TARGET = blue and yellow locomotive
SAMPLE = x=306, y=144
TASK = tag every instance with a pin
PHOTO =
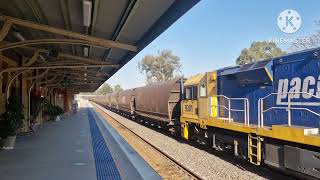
x=267, y=111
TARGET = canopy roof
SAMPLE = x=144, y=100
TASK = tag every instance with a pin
x=82, y=42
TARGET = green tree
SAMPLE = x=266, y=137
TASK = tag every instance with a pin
x=258, y=51
x=161, y=67
x=104, y=89
x=117, y=88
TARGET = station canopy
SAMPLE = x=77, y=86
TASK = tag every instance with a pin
x=79, y=44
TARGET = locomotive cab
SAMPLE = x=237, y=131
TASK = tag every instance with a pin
x=195, y=104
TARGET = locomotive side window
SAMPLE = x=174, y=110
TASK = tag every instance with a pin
x=203, y=90
x=195, y=92
x=188, y=93
x=191, y=93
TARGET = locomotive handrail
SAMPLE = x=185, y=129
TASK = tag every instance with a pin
x=288, y=107
x=306, y=109
x=290, y=93
x=229, y=109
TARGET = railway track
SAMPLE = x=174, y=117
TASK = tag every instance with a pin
x=164, y=164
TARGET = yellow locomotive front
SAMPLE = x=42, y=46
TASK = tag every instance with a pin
x=198, y=103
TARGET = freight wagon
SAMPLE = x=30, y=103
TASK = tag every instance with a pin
x=157, y=104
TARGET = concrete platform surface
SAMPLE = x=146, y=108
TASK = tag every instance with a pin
x=81, y=147
x=59, y=150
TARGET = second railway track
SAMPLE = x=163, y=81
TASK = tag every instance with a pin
x=164, y=164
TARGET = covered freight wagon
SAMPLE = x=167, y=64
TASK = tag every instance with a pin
x=107, y=100
x=113, y=100
x=125, y=101
x=160, y=101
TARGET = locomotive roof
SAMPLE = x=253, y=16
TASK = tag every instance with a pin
x=194, y=79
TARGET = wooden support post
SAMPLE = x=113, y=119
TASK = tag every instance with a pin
x=2, y=96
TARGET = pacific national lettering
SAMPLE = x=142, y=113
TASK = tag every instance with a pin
x=299, y=88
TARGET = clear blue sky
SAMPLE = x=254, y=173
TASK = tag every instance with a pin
x=213, y=33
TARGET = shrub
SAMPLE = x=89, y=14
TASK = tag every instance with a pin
x=52, y=110
x=12, y=119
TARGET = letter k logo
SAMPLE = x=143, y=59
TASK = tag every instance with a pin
x=289, y=21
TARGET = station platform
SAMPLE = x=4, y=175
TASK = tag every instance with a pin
x=82, y=146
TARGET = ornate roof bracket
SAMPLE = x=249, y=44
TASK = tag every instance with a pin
x=33, y=59
x=5, y=29
x=49, y=80
x=39, y=75
x=56, y=67
x=53, y=41
x=85, y=38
